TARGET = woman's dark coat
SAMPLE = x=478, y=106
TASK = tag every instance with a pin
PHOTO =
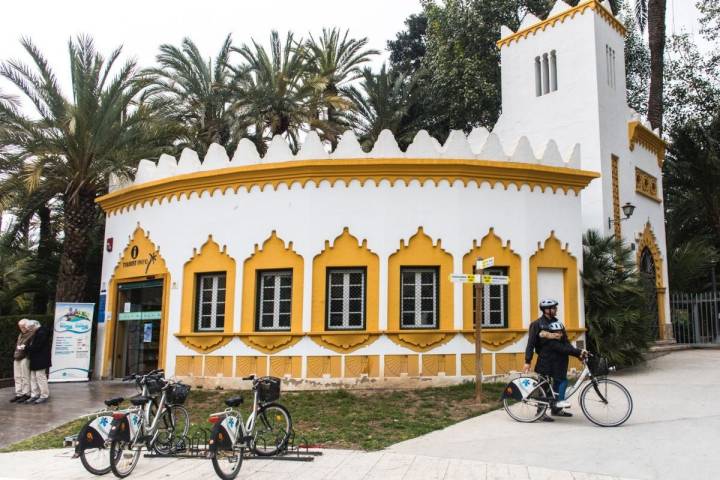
x=38, y=351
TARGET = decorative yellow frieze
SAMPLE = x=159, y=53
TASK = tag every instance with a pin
x=273, y=255
x=345, y=252
x=247, y=365
x=467, y=363
x=282, y=366
x=646, y=184
x=638, y=134
x=210, y=259
x=189, y=365
x=434, y=364
x=375, y=170
x=362, y=365
x=492, y=246
x=322, y=366
x=553, y=255
x=218, y=366
x=570, y=13
x=616, y=196
x=420, y=252
x=397, y=365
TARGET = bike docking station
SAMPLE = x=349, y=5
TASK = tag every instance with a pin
x=479, y=280
x=198, y=446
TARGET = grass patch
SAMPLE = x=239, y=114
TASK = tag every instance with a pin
x=357, y=419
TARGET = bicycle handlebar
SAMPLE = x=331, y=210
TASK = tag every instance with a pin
x=250, y=377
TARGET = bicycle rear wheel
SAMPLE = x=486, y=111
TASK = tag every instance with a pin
x=606, y=402
x=227, y=463
x=529, y=409
x=123, y=458
x=272, y=430
x=95, y=460
x=172, y=429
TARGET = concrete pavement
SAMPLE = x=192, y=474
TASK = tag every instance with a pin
x=674, y=428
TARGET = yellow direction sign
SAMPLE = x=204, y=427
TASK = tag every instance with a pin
x=484, y=279
x=483, y=264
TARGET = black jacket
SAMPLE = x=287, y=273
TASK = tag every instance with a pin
x=552, y=354
x=38, y=351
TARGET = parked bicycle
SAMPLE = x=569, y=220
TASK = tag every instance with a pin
x=156, y=420
x=92, y=441
x=266, y=431
x=603, y=401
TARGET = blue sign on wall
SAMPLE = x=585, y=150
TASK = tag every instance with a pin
x=101, y=308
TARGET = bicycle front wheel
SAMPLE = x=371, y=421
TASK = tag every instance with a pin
x=172, y=429
x=123, y=458
x=227, y=463
x=272, y=430
x=529, y=409
x=606, y=402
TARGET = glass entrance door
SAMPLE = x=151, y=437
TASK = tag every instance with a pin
x=137, y=343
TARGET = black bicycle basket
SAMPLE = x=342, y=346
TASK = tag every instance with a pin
x=598, y=366
x=154, y=385
x=178, y=393
x=268, y=389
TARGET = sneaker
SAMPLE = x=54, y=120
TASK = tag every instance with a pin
x=30, y=400
x=41, y=400
x=562, y=404
x=545, y=418
x=19, y=398
x=561, y=413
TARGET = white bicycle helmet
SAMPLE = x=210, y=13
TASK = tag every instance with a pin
x=548, y=303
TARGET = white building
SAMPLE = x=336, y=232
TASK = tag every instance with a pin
x=333, y=268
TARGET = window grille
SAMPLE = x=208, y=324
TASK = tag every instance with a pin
x=210, y=301
x=346, y=299
x=495, y=302
x=420, y=293
x=274, y=300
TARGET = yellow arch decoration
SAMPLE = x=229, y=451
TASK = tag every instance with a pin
x=420, y=252
x=495, y=338
x=346, y=251
x=647, y=239
x=209, y=259
x=553, y=255
x=273, y=255
x=136, y=264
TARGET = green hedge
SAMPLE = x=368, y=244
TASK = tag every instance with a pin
x=8, y=338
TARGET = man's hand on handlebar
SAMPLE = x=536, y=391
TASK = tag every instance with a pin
x=584, y=354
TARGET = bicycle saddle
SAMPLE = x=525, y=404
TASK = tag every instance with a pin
x=114, y=402
x=234, y=401
x=140, y=400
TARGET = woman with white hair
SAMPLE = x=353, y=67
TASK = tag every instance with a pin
x=21, y=363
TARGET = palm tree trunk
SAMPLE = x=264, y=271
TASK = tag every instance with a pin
x=42, y=296
x=79, y=221
x=656, y=34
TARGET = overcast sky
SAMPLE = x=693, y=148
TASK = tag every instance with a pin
x=141, y=26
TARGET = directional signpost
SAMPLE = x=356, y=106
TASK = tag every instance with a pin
x=479, y=280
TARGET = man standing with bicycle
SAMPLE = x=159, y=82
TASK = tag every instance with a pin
x=547, y=338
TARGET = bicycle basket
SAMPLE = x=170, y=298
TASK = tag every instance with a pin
x=154, y=385
x=178, y=393
x=268, y=389
x=598, y=366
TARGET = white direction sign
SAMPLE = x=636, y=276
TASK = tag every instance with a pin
x=484, y=279
x=483, y=264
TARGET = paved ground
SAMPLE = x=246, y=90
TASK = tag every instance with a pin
x=673, y=434
x=67, y=402
x=674, y=429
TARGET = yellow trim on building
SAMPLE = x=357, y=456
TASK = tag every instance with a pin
x=492, y=246
x=420, y=252
x=646, y=185
x=247, y=365
x=362, y=365
x=345, y=252
x=324, y=366
x=570, y=13
x=364, y=170
x=435, y=364
x=639, y=134
x=647, y=239
x=273, y=255
x=136, y=264
x=401, y=365
x=209, y=259
x=553, y=255
x=616, y=196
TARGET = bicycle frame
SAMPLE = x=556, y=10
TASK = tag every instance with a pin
x=242, y=430
x=572, y=389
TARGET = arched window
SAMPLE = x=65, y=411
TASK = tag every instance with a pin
x=553, y=71
x=545, y=74
x=538, y=78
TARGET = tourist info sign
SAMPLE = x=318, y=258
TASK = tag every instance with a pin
x=484, y=279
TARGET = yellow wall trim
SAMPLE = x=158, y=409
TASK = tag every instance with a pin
x=647, y=239
x=136, y=264
x=570, y=13
x=346, y=251
x=209, y=259
x=616, y=196
x=492, y=246
x=639, y=134
x=362, y=365
x=364, y=170
x=420, y=252
x=646, y=185
x=553, y=255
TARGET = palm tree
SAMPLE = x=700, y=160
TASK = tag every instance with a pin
x=71, y=144
x=337, y=60
x=201, y=92
x=279, y=93
x=619, y=324
x=384, y=101
x=652, y=14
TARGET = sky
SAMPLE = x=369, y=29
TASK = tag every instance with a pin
x=141, y=26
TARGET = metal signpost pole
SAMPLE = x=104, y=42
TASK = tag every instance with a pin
x=479, y=287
